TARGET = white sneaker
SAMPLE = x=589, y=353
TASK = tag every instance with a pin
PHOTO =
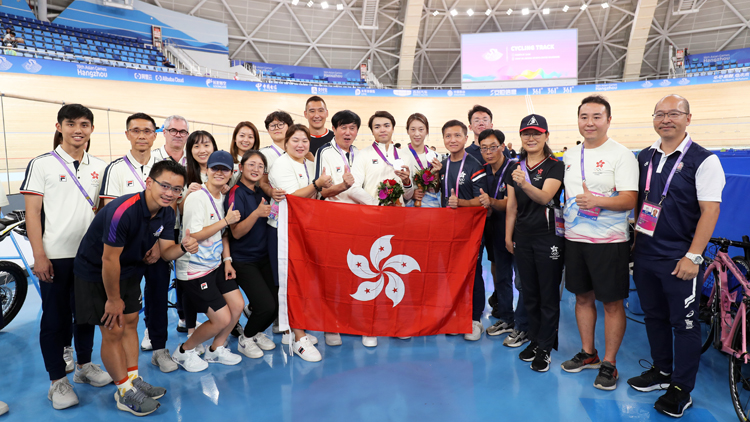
x=146, y=343
x=223, y=356
x=285, y=338
x=263, y=341
x=200, y=349
x=163, y=360
x=61, y=394
x=91, y=374
x=190, y=360
x=369, y=341
x=476, y=331
x=333, y=339
x=70, y=362
x=275, y=328
x=248, y=347
x=305, y=349
x=3, y=408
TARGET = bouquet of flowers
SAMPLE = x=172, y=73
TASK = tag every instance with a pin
x=425, y=179
x=389, y=192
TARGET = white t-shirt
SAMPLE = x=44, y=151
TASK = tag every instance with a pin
x=272, y=152
x=67, y=214
x=370, y=169
x=329, y=158
x=120, y=180
x=611, y=168
x=199, y=213
x=289, y=176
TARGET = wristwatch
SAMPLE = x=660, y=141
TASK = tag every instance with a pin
x=694, y=258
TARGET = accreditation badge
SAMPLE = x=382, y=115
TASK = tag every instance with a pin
x=648, y=218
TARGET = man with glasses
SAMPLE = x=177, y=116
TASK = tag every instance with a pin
x=601, y=185
x=480, y=119
x=109, y=266
x=678, y=205
x=128, y=175
x=176, y=131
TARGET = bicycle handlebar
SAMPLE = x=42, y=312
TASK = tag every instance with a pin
x=725, y=243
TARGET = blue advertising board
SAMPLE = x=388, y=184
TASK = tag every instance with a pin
x=309, y=72
x=25, y=65
x=741, y=55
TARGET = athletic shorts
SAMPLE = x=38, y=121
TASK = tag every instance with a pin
x=91, y=298
x=208, y=291
x=601, y=267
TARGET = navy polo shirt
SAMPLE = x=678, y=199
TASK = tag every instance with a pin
x=123, y=223
x=475, y=152
x=497, y=218
x=470, y=180
x=252, y=246
x=680, y=210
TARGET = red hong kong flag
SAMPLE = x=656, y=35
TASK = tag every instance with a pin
x=377, y=271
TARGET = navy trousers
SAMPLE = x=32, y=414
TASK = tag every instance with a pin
x=671, y=308
x=155, y=310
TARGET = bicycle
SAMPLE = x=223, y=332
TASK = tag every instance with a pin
x=727, y=332
x=13, y=280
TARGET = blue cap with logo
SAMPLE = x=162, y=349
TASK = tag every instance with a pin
x=220, y=158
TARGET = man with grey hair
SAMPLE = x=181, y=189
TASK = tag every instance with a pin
x=176, y=131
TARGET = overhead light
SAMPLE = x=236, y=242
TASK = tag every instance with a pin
x=525, y=11
x=565, y=8
x=454, y=12
x=584, y=6
x=545, y=11
x=509, y=11
x=295, y=2
x=488, y=12
x=605, y=5
x=310, y=3
x=324, y=5
x=470, y=12
x=339, y=6
x=435, y=13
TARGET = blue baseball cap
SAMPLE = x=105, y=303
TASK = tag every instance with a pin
x=220, y=158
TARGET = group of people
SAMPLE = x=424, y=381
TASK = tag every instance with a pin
x=214, y=214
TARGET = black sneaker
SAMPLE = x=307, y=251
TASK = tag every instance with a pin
x=541, y=361
x=651, y=380
x=500, y=327
x=529, y=352
x=673, y=402
x=607, y=378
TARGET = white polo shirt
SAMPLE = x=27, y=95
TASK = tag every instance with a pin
x=161, y=154
x=199, y=213
x=120, y=180
x=272, y=152
x=290, y=176
x=329, y=158
x=610, y=168
x=67, y=213
x=424, y=157
x=369, y=170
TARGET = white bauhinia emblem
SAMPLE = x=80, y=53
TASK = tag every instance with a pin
x=360, y=266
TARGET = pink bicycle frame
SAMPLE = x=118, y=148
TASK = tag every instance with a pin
x=721, y=263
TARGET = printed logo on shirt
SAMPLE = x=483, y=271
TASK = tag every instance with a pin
x=690, y=314
x=204, y=286
x=461, y=179
x=688, y=324
x=600, y=164
x=300, y=175
x=158, y=232
x=375, y=161
x=338, y=169
x=94, y=175
x=679, y=167
x=213, y=217
x=538, y=175
x=555, y=255
x=599, y=167
x=129, y=183
x=63, y=178
x=568, y=167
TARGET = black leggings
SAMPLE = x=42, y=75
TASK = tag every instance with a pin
x=256, y=280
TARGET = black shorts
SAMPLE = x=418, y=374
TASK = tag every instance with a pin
x=91, y=298
x=208, y=291
x=601, y=267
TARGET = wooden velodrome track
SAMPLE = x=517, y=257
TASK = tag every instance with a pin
x=721, y=117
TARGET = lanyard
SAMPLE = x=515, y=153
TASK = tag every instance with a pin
x=502, y=174
x=583, y=173
x=458, y=176
x=377, y=149
x=211, y=198
x=525, y=172
x=306, y=171
x=671, y=174
x=416, y=157
x=137, y=176
x=273, y=147
x=347, y=163
x=75, y=179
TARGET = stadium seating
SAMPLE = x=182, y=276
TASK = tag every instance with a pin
x=60, y=42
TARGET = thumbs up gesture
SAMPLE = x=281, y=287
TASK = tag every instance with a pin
x=453, y=200
x=263, y=210
x=190, y=244
x=519, y=177
x=348, y=178
x=233, y=215
x=586, y=200
x=484, y=199
x=324, y=180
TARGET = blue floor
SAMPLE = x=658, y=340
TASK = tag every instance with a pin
x=436, y=378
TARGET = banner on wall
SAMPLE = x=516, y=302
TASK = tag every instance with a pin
x=304, y=72
x=741, y=55
x=26, y=65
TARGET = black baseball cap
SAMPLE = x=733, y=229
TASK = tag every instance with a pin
x=534, y=121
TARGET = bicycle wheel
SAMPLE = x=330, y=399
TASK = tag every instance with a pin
x=13, y=287
x=739, y=377
x=709, y=316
